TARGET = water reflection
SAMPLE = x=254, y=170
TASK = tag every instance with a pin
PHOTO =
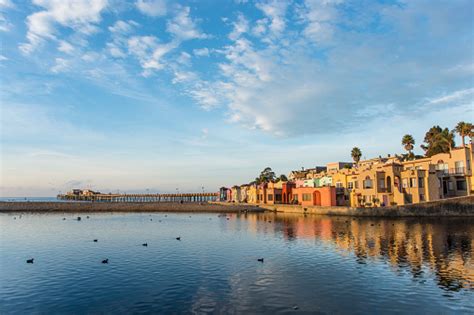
x=444, y=246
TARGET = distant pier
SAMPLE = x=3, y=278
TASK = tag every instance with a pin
x=122, y=198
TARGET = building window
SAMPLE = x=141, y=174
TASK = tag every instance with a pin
x=356, y=184
x=339, y=185
x=459, y=167
x=367, y=183
x=461, y=185
x=421, y=182
x=405, y=183
x=381, y=183
x=295, y=198
x=270, y=197
x=412, y=182
x=450, y=185
x=422, y=197
x=350, y=185
x=306, y=197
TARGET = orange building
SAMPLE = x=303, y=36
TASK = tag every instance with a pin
x=310, y=196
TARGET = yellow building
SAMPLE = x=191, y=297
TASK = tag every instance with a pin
x=252, y=194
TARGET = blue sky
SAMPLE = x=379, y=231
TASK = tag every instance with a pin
x=155, y=94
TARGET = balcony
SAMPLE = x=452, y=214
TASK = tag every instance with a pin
x=457, y=171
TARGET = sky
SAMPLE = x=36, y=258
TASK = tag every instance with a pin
x=160, y=96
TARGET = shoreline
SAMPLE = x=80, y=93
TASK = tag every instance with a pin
x=38, y=206
x=453, y=207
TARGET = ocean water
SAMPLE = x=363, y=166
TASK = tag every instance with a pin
x=26, y=199
x=312, y=264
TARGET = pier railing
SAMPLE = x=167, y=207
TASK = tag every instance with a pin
x=185, y=197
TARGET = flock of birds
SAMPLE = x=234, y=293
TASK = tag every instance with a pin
x=106, y=261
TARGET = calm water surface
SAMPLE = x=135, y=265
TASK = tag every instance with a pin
x=312, y=264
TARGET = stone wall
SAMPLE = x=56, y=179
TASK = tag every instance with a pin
x=122, y=207
x=460, y=206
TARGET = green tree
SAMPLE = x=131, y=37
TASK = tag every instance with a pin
x=438, y=140
x=282, y=178
x=408, y=143
x=356, y=154
x=266, y=176
x=464, y=129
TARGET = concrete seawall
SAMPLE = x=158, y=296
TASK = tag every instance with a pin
x=122, y=207
x=461, y=206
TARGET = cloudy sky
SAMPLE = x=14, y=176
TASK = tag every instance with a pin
x=155, y=94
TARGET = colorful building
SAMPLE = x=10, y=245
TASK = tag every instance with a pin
x=310, y=196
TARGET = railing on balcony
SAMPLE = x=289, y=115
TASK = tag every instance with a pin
x=453, y=171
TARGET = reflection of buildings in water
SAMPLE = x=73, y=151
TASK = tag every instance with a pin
x=444, y=247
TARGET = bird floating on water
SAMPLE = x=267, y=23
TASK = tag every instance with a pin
x=145, y=244
x=105, y=261
x=30, y=261
x=78, y=218
x=178, y=238
x=260, y=259
x=95, y=240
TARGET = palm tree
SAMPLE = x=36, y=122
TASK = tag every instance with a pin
x=408, y=143
x=356, y=154
x=464, y=129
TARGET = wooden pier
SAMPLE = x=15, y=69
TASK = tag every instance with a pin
x=180, y=198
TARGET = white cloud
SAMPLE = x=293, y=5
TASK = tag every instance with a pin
x=115, y=50
x=3, y=58
x=275, y=10
x=184, y=59
x=201, y=52
x=123, y=27
x=61, y=65
x=206, y=96
x=149, y=52
x=320, y=18
x=90, y=56
x=260, y=27
x=6, y=4
x=152, y=7
x=80, y=15
x=183, y=76
x=120, y=30
x=5, y=25
x=453, y=96
x=241, y=26
x=183, y=27
x=65, y=47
